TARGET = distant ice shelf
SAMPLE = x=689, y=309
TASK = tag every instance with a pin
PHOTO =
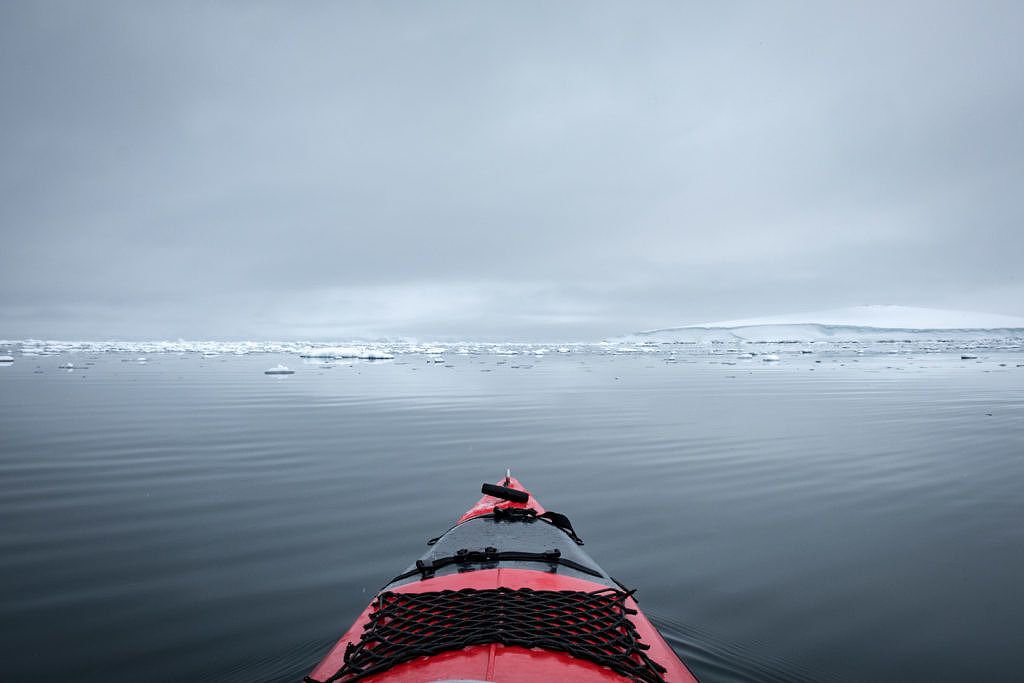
x=858, y=323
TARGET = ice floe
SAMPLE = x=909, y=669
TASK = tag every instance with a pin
x=338, y=352
x=985, y=350
x=330, y=352
x=279, y=369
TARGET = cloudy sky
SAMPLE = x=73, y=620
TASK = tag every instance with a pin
x=519, y=170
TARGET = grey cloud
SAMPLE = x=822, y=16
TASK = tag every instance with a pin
x=524, y=170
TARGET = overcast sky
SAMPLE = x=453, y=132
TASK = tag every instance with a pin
x=518, y=170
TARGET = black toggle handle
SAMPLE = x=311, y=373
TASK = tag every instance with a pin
x=505, y=493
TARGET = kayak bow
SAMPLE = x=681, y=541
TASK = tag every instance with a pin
x=506, y=594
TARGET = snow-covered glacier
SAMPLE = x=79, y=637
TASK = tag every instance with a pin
x=853, y=324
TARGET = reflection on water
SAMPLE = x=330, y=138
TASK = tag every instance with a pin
x=725, y=662
x=189, y=517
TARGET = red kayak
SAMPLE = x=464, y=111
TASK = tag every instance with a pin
x=506, y=594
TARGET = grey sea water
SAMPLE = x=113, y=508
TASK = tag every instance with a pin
x=192, y=519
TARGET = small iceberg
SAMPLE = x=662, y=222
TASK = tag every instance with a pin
x=434, y=350
x=968, y=357
x=279, y=370
x=6, y=360
x=770, y=358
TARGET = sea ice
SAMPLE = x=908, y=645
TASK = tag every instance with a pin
x=717, y=344
x=330, y=352
x=374, y=354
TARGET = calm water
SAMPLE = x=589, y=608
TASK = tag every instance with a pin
x=191, y=518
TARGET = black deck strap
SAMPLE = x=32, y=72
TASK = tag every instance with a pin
x=631, y=592
x=593, y=626
x=511, y=514
x=506, y=514
x=555, y=519
x=562, y=522
x=489, y=555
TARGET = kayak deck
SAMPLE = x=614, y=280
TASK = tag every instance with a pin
x=520, y=543
x=505, y=595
